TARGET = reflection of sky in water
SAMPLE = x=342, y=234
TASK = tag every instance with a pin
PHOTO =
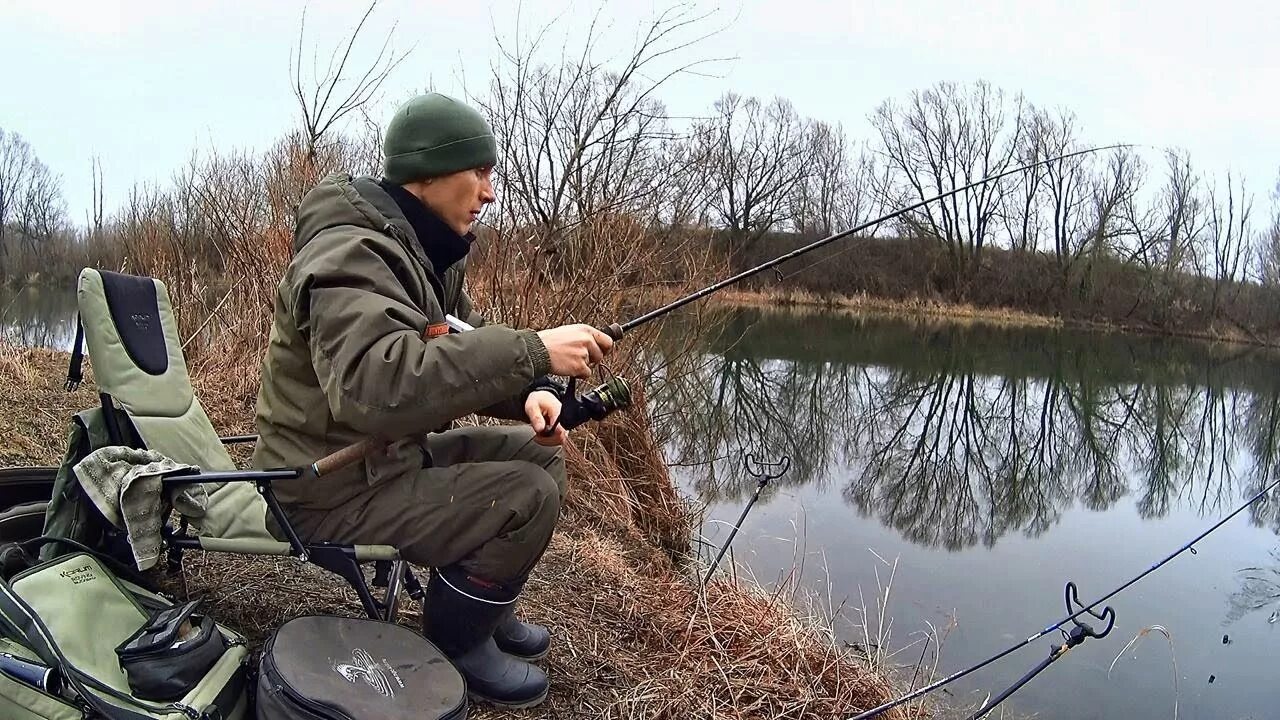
x=1078, y=459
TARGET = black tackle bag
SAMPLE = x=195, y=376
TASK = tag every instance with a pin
x=337, y=668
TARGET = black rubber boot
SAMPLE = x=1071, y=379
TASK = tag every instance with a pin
x=461, y=616
x=526, y=641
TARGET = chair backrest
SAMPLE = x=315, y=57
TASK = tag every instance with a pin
x=132, y=339
x=131, y=335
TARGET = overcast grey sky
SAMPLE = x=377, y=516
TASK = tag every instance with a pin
x=143, y=83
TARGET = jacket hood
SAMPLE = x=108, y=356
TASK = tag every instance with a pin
x=342, y=200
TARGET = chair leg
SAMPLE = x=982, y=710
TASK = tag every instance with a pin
x=415, y=588
x=381, y=571
x=342, y=561
x=174, y=560
x=392, y=598
x=173, y=557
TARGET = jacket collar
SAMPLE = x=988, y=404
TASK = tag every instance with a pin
x=442, y=245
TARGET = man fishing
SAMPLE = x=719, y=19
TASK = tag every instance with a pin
x=360, y=348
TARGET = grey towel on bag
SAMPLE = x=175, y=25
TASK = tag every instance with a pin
x=124, y=483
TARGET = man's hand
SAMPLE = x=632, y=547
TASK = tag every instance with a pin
x=575, y=348
x=543, y=408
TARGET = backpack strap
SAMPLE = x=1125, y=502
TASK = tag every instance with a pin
x=75, y=371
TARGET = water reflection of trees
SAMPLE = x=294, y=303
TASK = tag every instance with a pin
x=951, y=457
x=37, y=316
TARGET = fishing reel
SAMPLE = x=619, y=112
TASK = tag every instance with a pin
x=595, y=404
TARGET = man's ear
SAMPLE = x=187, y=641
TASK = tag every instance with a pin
x=416, y=187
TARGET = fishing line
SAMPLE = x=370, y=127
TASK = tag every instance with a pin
x=1070, y=618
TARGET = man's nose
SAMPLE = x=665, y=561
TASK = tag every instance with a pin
x=487, y=194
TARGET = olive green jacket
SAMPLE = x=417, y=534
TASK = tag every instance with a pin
x=349, y=355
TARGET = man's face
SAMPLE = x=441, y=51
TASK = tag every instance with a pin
x=458, y=199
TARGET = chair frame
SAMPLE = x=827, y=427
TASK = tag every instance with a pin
x=338, y=558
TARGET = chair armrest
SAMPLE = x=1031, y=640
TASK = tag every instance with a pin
x=261, y=478
x=236, y=439
x=188, y=477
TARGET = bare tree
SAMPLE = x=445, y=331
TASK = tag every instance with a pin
x=15, y=164
x=32, y=210
x=1181, y=214
x=95, y=218
x=327, y=99
x=835, y=192
x=1111, y=190
x=1268, y=258
x=1067, y=191
x=578, y=140
x=1164, y=235
x=1228, y=237
x=41, y=210
x=941, y=139
x=814, y=197
x=1021, y=209
x=757, y=155
x=687, y=201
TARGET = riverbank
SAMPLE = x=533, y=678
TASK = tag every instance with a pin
x=633, y=637
x=797, y=299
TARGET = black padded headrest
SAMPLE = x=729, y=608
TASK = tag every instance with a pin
x=136, y=314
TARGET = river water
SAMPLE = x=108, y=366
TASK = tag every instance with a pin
x=982, y=468
x=39, y=315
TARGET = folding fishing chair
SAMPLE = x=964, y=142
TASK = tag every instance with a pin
x=126, y=324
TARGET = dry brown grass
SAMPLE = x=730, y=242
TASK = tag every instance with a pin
x=958, y=312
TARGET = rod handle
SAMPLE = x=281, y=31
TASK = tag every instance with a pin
x=342, y=458
x=613, y=330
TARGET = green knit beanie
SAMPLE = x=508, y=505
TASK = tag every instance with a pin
x=434, y=135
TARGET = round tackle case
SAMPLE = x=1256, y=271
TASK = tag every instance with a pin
x=336, y=668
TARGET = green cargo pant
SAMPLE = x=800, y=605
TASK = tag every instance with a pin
x=489, y=502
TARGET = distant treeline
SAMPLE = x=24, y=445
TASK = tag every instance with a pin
x=586, y=146
x=1106, y=290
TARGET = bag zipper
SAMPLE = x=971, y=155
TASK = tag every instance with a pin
x=281, y=686
x=172, y=652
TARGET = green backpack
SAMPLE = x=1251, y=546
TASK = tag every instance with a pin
x=70, y=514
x=78, y=641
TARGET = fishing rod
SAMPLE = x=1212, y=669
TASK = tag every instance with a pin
x=618, y=330
x=615, y=394
x=1078, y=635
x=1070, y=618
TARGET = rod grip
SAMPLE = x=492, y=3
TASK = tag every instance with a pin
x=613, y=330
x=344, y=457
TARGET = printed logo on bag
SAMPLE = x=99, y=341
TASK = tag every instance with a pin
x=363, y=667
x=82, y=574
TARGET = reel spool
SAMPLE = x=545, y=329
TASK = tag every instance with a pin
x=595, y=404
